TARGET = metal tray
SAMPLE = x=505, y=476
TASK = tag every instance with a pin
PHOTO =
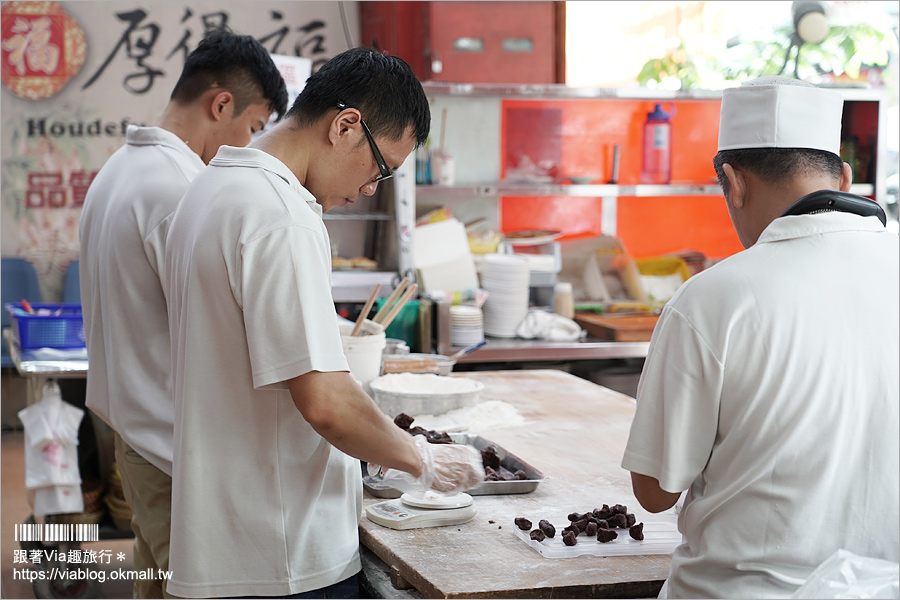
x=508, y=462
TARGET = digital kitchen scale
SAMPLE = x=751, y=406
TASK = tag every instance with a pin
x=430, y=510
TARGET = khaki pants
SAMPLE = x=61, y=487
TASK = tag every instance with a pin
x=149, y=493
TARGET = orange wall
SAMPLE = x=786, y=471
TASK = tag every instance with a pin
x=579, y=135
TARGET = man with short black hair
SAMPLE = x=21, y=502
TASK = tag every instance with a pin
x=228, y=89
x=770, y=390
x=270, y=425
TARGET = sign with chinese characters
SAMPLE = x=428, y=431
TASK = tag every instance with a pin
x=76, y=74
x=42, y=48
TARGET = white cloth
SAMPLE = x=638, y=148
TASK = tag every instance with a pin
x=261, y=504
x=121, y=266
x=780, y=112
x=543, y=325
x=770, y=390
x=51, y=454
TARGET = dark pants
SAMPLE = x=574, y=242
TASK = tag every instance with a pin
x=348, y=588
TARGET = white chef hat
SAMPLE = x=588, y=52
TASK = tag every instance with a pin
x=779, y=112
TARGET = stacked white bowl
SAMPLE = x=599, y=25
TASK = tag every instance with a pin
x=506, y=278
x=466, y=325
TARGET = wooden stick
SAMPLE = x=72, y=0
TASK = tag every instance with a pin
x=403, y=299
x=365, y=311
x=390, y=301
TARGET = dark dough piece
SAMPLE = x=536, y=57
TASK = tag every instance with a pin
x=620, y=509
x=489, y=457
x=418, y=431
x=591, y=529
x=403, y=421
x=630, y=519
x=581, y=525
x=637, y=531
x=491, y=475
x=438, y=437
x=547, y=527
x=602, y=524
x=571, y=529
x=606, y=535
x=575, y=516
x=522, y=523
x=569, y=538
x=538, y=535
x=603, y=513
x=617, y=521
x=520, y=474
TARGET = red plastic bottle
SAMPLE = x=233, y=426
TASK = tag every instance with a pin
x=656, y=163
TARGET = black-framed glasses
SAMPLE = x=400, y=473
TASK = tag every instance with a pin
x=383, y=169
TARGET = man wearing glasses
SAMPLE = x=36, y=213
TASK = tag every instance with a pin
x=269, y=425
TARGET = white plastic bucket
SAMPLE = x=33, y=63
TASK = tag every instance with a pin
x=363, y=354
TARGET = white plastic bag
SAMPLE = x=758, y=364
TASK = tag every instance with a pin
x=848, y=575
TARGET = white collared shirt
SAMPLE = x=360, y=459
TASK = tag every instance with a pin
x=770, y=391
x=123, y=237
x=262, y=505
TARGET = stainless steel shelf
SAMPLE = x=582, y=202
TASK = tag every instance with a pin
x=551, y=90
x=487, y=190
x=554, y=189
x=338, y=214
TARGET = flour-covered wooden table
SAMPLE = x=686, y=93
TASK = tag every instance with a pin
x=574, y=432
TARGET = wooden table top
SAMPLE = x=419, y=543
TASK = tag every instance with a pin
x=575, y=433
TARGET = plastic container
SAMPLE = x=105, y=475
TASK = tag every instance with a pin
x=656, y=163
x=423, y=393
x=404, y=325
x=53, y=325
x=363, y=354
x=564, y=299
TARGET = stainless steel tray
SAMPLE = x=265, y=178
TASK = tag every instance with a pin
x=508, y=462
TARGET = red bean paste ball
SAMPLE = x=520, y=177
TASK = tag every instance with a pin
x=591, y=529
x=547, y=527
x=403, y=421
x=637, y=531
x=489, y=457
x=569, y=538
x=630, y=519
x=492, y=475
x=606, y=535
x=617, y=521
x=522, y=523
x=537, y=535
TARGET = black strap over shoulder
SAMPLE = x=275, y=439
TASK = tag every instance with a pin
x=826, y=200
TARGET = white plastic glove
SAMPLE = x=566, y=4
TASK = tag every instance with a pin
x=446, y=468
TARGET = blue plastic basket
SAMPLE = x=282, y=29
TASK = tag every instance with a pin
x=51, y=326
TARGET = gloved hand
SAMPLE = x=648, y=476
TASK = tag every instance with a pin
x=446, y=468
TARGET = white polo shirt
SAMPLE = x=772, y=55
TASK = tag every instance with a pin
x=261, y=504
x=770, y=391
x=121, y=264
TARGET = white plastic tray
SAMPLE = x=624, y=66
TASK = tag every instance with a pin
x=659, y=538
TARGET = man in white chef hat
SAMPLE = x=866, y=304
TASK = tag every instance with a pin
x=770, y=389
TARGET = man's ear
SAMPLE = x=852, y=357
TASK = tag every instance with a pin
x=221, y=105
x=737, y=184
x=343, y=125
x=846, y=178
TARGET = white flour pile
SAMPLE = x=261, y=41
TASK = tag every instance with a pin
x=490, y=414
x=425, y=383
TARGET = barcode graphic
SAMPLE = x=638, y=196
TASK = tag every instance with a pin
x=57, y=532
